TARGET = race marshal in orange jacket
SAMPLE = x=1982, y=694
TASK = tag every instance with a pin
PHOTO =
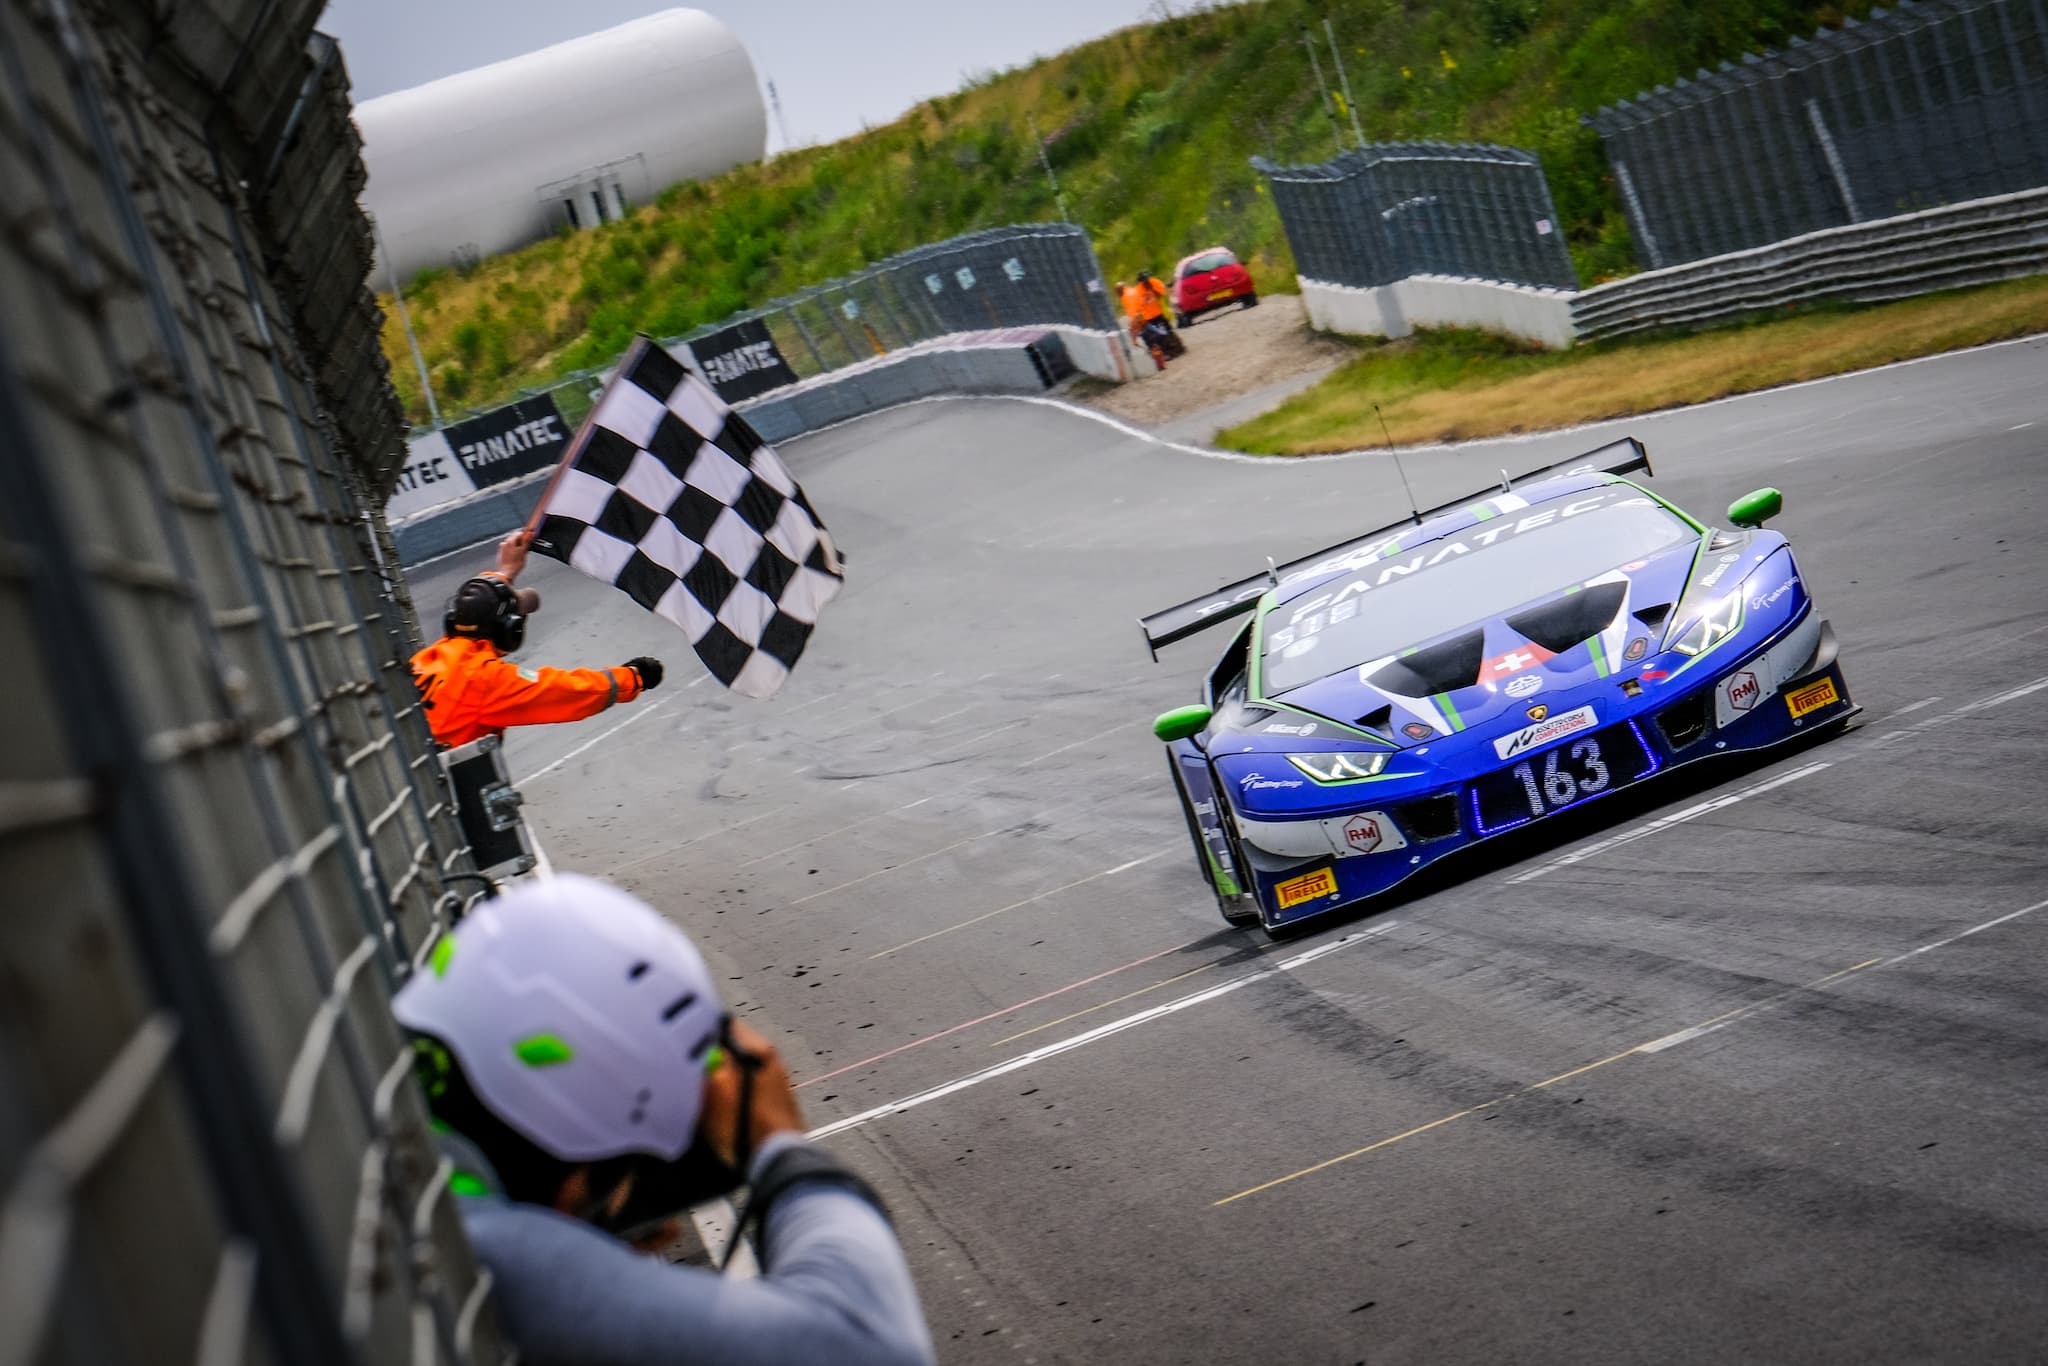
x=1142, y=301
x=471, y=690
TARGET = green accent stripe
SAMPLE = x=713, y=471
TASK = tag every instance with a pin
x=543, y=1050
x=468, y=1183
x=1599, y=653
x=1443, y=702
x=1225, y=884
x=444, y=949
x=1483, y=511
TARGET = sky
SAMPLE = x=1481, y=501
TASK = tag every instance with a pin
x=837, y=64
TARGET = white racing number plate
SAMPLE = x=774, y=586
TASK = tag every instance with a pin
x=1538, y=784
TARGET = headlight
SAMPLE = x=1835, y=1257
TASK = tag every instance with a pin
x=1341, y=768
x=1720, y=621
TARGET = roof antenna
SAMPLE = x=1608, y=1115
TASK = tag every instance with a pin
x=1507, y=485
x=1272, y=571
x=1413, y=510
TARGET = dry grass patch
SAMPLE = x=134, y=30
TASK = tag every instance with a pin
x=1455, y=385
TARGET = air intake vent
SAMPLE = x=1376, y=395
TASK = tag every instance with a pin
x=1686, y=723
x=1563, y=622
x=1432, y=818
x=1444, y=667
x=1376, y=720
x=1653, y=617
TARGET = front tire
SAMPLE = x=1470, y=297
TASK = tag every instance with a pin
x=1239, y=912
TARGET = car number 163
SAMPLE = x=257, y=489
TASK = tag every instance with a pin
x=1562, y=781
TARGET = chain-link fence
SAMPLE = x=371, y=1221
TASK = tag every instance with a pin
x=1923, y=105
x=1386, y=211
x=223, y=832
x=1039, y=275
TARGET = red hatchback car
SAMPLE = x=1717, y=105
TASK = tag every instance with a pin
x=1209, y=280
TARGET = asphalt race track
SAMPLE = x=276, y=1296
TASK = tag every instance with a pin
x=1748, y=1067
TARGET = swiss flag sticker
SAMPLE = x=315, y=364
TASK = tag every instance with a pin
x=1504, y=666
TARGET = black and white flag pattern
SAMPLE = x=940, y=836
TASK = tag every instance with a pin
x=671, y=497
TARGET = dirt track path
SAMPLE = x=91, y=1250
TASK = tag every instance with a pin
x=1230, y=354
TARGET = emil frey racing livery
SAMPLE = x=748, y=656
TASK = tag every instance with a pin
x=1411, y=692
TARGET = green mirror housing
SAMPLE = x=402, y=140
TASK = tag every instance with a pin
x=1182, y=722
x=1754, y=509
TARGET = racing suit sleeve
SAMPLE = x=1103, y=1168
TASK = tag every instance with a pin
x=836, y=1289
x=504, y=694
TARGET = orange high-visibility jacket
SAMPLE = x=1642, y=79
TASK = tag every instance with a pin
x=1141, y=300
x=470, y=690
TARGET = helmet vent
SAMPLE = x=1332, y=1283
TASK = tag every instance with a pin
x=678, y=1006
x=636, y=972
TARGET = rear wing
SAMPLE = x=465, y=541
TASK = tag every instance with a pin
x=1235, y=599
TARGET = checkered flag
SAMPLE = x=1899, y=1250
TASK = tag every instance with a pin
x=671, y=497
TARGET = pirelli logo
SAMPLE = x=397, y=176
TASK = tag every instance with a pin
x=1322, y=882
x=1812, y=697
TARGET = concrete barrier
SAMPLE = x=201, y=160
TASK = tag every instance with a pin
x=1534, y=314
x=1008, y=361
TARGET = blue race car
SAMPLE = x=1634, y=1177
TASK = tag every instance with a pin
x=1404, y=695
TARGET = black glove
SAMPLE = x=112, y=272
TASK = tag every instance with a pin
x=649, y=670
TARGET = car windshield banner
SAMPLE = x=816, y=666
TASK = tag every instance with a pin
x=742, y=361
x=508, y=442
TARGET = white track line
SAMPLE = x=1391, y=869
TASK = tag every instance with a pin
x=1103, y=1031
x=1015, y=905
x=1517, y=439
x=638, y=715
x=1663, y=823
x=1874, y=744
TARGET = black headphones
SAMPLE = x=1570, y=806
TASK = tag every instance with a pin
x=504, y=627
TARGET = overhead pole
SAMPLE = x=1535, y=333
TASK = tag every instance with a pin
x=1045, y=163
x=405, y=320
x=1309, y=45
x=1343, y=81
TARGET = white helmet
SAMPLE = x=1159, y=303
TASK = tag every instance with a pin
x=580, y=1017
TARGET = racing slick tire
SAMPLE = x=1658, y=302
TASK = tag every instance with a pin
x=1239, y=912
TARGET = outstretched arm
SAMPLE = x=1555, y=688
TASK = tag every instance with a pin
x=507, y=695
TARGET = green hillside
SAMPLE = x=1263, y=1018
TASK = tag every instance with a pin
x=1149, y=131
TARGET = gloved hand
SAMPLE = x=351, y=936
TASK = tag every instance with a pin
x=649, y=670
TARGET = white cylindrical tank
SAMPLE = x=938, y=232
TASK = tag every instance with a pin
x=491, y=159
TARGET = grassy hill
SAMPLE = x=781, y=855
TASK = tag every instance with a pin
x=1149, y=131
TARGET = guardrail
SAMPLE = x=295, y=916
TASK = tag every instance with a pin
x=1975, y=242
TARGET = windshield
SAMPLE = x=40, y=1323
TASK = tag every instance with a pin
x=1208, y=260
x=1483, y=571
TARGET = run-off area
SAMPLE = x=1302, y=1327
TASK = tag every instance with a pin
x=1651, y=1082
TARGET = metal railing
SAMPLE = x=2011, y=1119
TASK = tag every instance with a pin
x=1984, y=240
x=1041, y=274
x=1386, y=211
x=223, y=832
x=1926, y=104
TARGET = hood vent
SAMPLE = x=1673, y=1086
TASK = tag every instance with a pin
x=1654, y=617
x=1563, y=622
x=1376, y=720
x=1443, y=667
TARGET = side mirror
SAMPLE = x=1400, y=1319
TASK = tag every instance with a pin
x=1754, y=509
x=1182, y=723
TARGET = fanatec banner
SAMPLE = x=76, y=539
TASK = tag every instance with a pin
x=741, y=361
x=508, y=442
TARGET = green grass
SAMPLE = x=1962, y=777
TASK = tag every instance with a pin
x=1149, y=130
x=1457, y=385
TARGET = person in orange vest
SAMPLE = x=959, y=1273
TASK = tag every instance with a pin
x=1142, y=300
x=469, y=688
